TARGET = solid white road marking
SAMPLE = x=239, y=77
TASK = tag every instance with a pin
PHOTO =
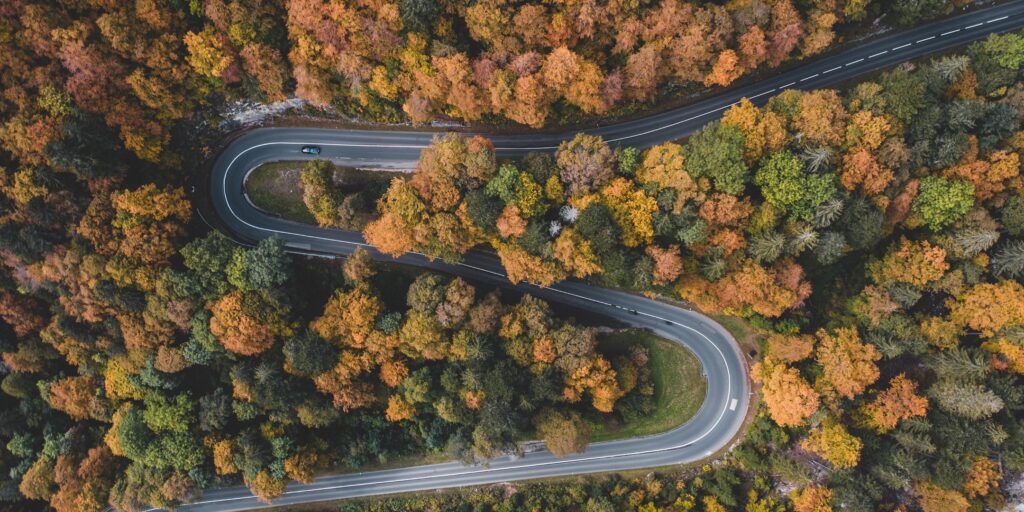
x=706, y=433
x=732, y=404
x=877, y=54
x=831, y=70
x=902, y=46
x=641, y=134
x=761, y=94
x=406, y=146
x=810, y=77
x=968, y=27
x=950, y=32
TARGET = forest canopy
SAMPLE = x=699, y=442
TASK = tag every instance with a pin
x=871, y=238
x=143, y=67
x=872, y=235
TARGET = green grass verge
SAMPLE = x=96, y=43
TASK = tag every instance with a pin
x=275, y=188
x=679, y=387
x=746, y=336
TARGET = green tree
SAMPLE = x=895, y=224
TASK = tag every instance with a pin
x=176, y=450
x=1006, y=49
x=308, y=355
x=318, y=192
x=419, y=15
x=1013, y=215
x=972, y=401
x=1009, y=260
x=263, y=268
x=208, y=259
x=960, y=364
x=784, y=184
x=941, y=202
x=717, y=152
x=163, y=415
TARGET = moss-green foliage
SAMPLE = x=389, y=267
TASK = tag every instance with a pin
x=942, y=202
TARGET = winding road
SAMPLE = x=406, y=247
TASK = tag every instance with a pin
x=721, y=416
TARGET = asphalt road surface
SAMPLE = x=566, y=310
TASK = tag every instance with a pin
x=720, y=417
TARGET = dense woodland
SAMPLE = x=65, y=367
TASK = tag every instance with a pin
x=873, y=236
x=144, y=381
x=144, y=67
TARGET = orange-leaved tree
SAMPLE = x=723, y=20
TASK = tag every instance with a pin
x=895, y=404
x=848, y=364
x=790, y=399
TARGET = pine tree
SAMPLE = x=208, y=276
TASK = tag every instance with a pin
x=1009, y=260
x=950, y=68
x=713, y=265
x=972, y=401
x=804, y=239
x=818, y=159
x=767, y=247
x=975, y=240
x=960, y=363
x=828, y=212
x=912, y=436
x=830, y=248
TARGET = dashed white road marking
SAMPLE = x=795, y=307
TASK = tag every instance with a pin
x=706, y=433
x=809, y=77
x=733, y=402
x=831, y=70
x=877, y=54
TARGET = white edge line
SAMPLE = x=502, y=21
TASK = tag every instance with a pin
x=658, y=129
x=761, y=94
x=711, y=429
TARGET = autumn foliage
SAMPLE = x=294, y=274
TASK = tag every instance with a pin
x=899, y=402
x=869, y=242
x=790, y=399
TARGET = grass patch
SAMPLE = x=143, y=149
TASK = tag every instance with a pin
x=275, y=188
x=744, y=334
x=679, y=387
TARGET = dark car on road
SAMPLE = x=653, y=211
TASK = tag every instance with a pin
x=311, y=150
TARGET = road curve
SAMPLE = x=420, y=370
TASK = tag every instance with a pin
x=715, y=424
x=400, y=149
x=725, y=406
